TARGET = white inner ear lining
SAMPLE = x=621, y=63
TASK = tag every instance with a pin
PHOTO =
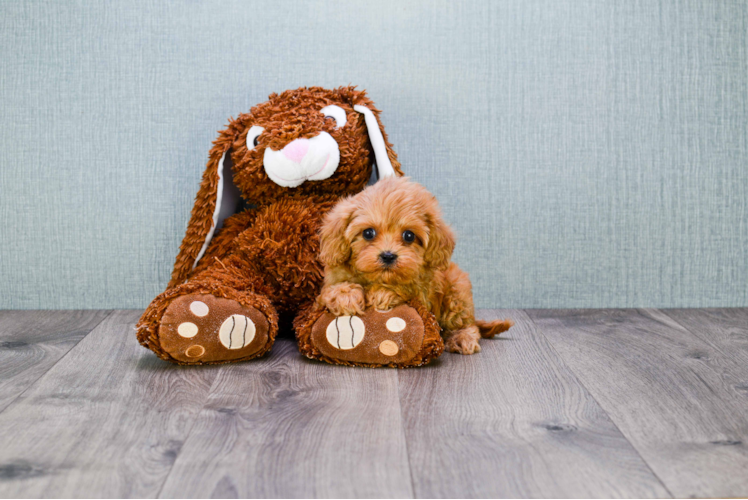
x=216, y=211
x=384, y=167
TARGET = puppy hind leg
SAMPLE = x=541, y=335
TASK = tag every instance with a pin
x=456, y=310
x=463, y=341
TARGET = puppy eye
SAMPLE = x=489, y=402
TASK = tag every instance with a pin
x=369, y=234
x=409, y=236
x=253, y=136
x=336, y=113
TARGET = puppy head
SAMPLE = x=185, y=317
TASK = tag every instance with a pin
x=391, y=232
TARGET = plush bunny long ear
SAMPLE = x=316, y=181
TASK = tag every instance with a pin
x=216, y=200
x=385, y=157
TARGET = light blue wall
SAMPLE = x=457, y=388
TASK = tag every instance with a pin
x=588, y=153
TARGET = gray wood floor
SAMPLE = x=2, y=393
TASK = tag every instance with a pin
x=569, y=403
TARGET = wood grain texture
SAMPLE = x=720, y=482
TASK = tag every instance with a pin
x=285, y=426
x=107, y=420
x=513, y=421
x=725, y=329
x=31, y=342
x=677, y=398
x=608, y=403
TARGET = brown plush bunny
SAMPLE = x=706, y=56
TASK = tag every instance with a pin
x=291, y=158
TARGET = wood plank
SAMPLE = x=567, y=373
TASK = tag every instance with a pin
x=108, y=420
x=291, y=427
x=725, y=329
x=31, y=342
x=675, y=397
x=513, y=421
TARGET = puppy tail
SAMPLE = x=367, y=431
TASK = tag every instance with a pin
x=488, y=329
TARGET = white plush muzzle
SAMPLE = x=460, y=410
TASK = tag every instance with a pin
x=302, y=160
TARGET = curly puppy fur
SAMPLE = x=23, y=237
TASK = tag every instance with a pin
x=370, y=261
x=266, y=256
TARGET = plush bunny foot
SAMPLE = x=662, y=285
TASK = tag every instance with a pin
x=202, y=329
x=406, y=335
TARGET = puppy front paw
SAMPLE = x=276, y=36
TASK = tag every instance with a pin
x=382, y=300
x=463, y=342
x=343, y=299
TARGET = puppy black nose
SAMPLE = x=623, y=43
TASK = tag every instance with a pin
x=387, y=257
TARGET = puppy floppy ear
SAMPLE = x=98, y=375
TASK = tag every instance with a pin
x=216, y=200
x=334, y=247
x=441, y=243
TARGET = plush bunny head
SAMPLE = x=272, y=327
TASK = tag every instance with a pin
x=303, y=142
x=307, y=141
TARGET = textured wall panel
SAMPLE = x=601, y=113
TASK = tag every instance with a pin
x=588, y=153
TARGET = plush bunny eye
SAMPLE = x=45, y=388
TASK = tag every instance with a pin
x=335, y=112
x=253, y=136
x=409, y=236
x=369, y=234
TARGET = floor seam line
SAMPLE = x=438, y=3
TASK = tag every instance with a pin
x=191, y=429
x=592, y=395
x=692, y=332
x=32, y=384
x=405, y=436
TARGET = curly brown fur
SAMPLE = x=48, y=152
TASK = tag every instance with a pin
x=422, y=269
x=266, y=257
x=287, y=116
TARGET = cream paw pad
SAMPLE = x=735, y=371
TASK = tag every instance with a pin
x=345, y=332
x=203, y=328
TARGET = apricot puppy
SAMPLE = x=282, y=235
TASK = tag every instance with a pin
x=388, y=245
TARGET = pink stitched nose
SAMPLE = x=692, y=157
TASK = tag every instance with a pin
x=295, y=150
